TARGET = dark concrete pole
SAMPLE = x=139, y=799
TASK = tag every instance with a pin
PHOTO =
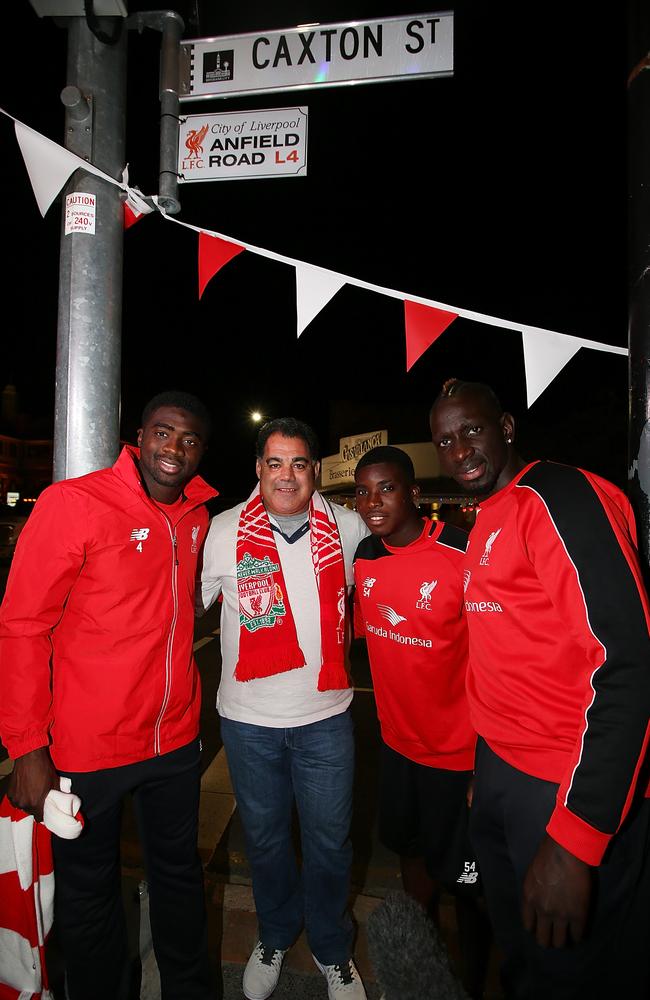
x=87, y=397
x=639, y=266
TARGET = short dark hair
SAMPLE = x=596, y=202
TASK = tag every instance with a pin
x=387, y=455
x=288, y=427
x=180, y=401
x=457, y=387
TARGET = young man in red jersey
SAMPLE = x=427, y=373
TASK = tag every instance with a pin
x=559, y=693
x=409, y=608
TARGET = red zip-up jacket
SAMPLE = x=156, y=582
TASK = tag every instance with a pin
x=96, y=627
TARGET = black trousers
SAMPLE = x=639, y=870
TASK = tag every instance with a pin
x=88, y=907
x=509, y=814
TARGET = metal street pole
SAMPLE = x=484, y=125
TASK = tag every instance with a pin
x=87, y=394
x=171, y=26
x=639, y=265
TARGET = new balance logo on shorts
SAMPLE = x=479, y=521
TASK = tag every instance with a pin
x=469, y=874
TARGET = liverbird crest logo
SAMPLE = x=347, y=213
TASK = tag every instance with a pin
x=492, y=537
x=194, y=141
x=261, y=601
x=340, y=605
x=426, y=590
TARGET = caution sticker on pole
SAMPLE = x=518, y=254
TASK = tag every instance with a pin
x=80, y=211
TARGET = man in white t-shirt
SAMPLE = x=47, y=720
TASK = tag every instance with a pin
x=282, y=562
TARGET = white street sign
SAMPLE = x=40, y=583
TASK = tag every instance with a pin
x=243, y=145
x=318, y=55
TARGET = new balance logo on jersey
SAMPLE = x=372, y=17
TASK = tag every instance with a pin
x=469, y=874
x=368, y=584
x=390, y=614
x=424, y=604
x=139, y=535
x=467, y=576
x=492, y=537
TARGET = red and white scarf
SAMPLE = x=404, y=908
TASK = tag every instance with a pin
x=268, y=642
x=27, y=890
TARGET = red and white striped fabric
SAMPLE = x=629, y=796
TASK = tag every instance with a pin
x=26, y=904
x=263, y=600
x=27, y=891
x=135, y=207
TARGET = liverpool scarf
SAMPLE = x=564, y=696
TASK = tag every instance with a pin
x=27, y=890
x=268, y=642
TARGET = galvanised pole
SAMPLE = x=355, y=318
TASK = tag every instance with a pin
x=87, y=395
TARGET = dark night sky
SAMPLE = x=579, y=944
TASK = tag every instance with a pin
x=501, y=189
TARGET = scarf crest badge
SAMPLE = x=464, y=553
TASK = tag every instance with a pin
x=261, y=601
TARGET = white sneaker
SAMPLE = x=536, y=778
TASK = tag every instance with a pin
x=262, y=972
x=343, y=981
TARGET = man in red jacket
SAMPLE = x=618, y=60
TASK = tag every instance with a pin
x=559, y=693
x=98, y=682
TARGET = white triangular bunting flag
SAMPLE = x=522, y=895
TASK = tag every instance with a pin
x=49, y=165
x=314, y=288
x=545, y=355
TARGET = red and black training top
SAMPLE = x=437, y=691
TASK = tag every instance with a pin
x=559, y=677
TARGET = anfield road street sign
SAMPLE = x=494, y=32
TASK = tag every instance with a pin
x=318, y=55
x=241, y=145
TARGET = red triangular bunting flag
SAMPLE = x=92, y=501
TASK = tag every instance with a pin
x=131, y=215
x=135, y=206
x=213, y=254
x=423, y=325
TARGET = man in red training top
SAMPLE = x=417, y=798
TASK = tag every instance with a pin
x=559, y=693
x=409, y=608
x=98, y=683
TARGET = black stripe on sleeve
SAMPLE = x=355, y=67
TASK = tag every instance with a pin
x=618, y=716
x=371, y=547
x=453, y=537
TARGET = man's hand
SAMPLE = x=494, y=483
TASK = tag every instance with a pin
x=33, y=776
x=557, y=891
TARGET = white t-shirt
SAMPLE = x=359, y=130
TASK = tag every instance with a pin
x=291, y=698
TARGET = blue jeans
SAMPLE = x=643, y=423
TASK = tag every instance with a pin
x=313, y=764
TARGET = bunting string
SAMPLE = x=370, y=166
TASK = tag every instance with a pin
x=546, y=352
